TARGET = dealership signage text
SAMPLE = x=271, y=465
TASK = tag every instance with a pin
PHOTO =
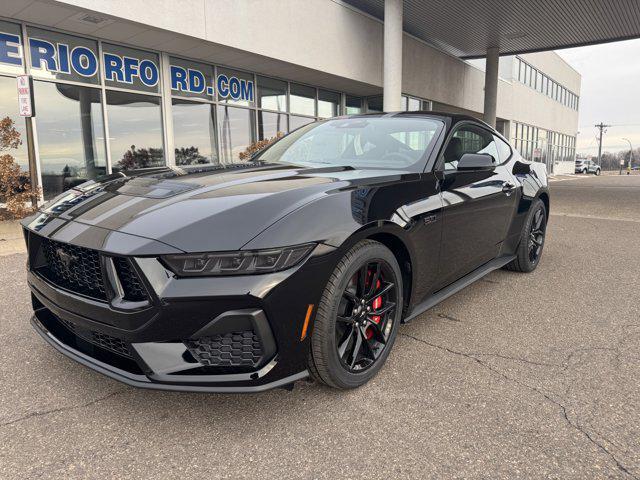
x=61, y=58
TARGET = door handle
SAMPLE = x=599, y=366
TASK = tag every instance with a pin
x=508, y=188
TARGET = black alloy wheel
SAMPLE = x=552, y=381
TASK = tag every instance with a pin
x=365, y=316
x=532, y=239
x=357, y=319
x=536, y=235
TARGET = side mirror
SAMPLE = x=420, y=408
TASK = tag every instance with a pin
x=521, y=168
x=476, y=162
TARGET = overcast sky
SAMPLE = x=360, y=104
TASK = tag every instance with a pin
x=610, y=94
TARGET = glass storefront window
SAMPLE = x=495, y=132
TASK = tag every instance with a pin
x=297, y=122
x=56, y=56
x=70, y=135
x=194, y=132
x=191, y=79
x=135, y=130
x=272, y=94
x=9, y=108
x=13, y=58
x=236, y=131
x=413, y=104
x=271, y=124
x=353, y=105
x=131, y=68
x=328, y=104
x=236, y=92
x=302, y=99
x=374, y=104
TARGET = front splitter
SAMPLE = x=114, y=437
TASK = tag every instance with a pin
x=142, y=381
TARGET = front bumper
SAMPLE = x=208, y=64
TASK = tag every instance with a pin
x=142, y=381
x=151, y=346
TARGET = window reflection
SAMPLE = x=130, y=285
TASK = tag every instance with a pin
x=135, y=130
x=374, y=104
x=236, y=130
x=9, y=108
x=272, y=94
x=328, y=104
x=70, y=135
x=302, y=99
x=297, y=122
x=271, y=124
x=413, y=104
x=194, y=132
x=353, y=105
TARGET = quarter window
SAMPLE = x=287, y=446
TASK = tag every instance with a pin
x=504, y=150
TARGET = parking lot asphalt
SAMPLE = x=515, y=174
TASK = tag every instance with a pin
x=517, y=376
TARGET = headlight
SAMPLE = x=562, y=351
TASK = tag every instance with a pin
x=237, y=263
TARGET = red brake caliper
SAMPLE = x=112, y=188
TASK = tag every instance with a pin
x=377, y=303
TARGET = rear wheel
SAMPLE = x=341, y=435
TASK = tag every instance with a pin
x=358, y=316
x=531, y=239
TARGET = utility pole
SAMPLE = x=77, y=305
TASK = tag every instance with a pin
x=630, y=156
x=601, y=126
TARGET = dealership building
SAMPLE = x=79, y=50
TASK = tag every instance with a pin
x=127, y=84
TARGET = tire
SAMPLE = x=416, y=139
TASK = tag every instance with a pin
x=325, y=362
x=524, y=261
x=585, y=171
x=597, y=172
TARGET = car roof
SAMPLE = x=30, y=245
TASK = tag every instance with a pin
x=451, y=118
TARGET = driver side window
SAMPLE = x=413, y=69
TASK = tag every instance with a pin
x=469, y=139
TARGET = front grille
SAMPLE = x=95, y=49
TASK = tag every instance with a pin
x=234, y=349
x=113, y=344
x=73, y=268
x=79, y=270
x=133, y=289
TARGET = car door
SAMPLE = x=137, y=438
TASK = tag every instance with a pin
x=477, y=205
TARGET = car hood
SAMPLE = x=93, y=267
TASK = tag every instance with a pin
x=206, y=209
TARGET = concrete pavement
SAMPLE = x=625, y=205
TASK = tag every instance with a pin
x=517, y=376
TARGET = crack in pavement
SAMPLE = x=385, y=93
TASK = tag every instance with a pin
x=546, y=396
x=62, y=409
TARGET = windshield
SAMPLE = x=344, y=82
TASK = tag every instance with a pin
x=360, y=142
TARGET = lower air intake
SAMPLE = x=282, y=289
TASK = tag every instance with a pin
x=234, y=349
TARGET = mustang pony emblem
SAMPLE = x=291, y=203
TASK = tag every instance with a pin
x=66, y=258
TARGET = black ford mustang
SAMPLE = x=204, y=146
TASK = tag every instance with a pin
x=304, y=261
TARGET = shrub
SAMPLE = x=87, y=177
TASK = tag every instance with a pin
x=15, y=187
x=255, y=147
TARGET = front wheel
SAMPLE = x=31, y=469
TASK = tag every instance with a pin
x=531, y=239
x=598, y=172
x=357, y=318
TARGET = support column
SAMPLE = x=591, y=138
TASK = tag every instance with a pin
x=392, y=66
x=491, y=86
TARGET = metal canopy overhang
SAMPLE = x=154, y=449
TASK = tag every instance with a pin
x=467, y=28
